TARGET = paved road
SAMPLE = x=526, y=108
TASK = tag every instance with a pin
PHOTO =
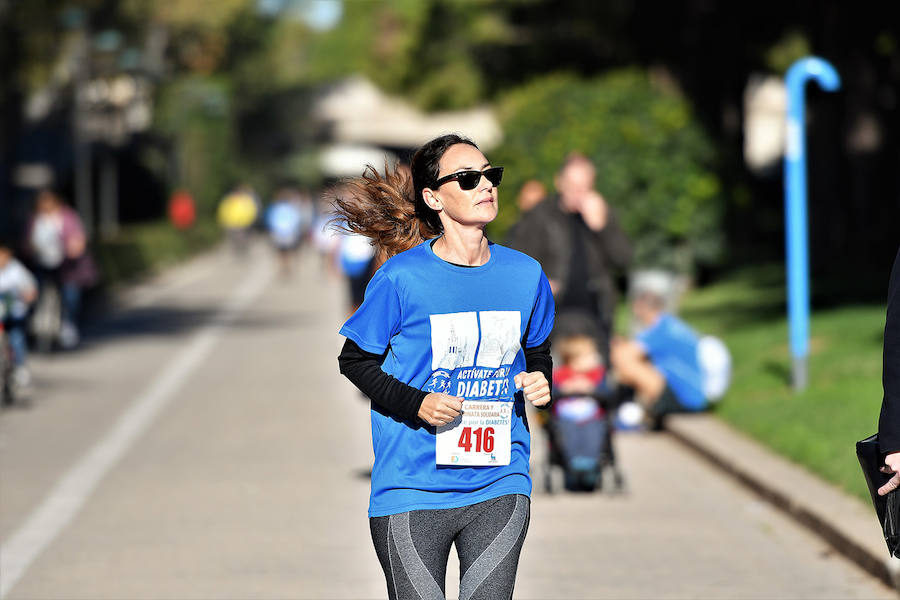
x=202, y=445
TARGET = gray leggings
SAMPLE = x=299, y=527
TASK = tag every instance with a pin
x=413, y=548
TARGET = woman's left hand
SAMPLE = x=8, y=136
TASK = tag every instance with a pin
x=534, y=387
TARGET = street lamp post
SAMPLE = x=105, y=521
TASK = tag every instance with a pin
x=84, y=200
x=796, y=224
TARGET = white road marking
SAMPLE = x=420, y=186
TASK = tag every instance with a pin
x=74, y=489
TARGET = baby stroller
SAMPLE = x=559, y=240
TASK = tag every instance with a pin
x=580, y=432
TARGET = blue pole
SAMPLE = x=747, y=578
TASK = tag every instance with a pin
x=796, y=221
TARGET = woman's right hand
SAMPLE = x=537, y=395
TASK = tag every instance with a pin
x=439, y=409
x=891, y=467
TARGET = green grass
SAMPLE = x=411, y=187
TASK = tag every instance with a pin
x=818, y=427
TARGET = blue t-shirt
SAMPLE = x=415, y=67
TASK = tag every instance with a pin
x=457, y=330
x=672, y=347
x=284, y=220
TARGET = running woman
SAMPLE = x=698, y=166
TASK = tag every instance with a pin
x=449, y=343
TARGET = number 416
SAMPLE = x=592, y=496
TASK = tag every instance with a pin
x=484, y=439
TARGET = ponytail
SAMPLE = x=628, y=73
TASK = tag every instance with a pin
x=389, y=209
x=381, y=207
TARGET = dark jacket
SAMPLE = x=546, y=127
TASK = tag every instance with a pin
x=889, y=422
x=544, y=233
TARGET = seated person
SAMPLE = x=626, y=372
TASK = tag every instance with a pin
x=578, y=419
x=18, y=289
x=662, y=362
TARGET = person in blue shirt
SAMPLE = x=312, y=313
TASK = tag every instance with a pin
x=662, y=361
x=449, y=343
x=285, y=221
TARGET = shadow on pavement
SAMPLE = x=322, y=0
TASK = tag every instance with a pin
x=168, y=320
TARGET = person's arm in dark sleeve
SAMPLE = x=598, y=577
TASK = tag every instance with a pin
x=889, y=421
x=537, y=234
x=616, y=245
x=538, y=359
x=363, y=369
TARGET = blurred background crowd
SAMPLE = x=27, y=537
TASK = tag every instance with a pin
x=133, y=133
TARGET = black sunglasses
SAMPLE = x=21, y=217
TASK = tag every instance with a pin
x=469, y=179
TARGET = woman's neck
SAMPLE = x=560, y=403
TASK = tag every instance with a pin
x=463, y=246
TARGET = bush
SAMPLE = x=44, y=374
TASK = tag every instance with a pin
x=197, y=113
x=146, y=248
x=654, y=162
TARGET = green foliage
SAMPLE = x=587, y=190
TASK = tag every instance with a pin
x=818, y=427
x=654, y=162
x=197, y=113
x=139, y=250
x=206, y=14
x=432, y=51
x=790, y=48
x=276, y=56
x=375, y=38
x=303, y=167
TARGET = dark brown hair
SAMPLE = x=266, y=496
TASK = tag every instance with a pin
x=571, y=347
x=389, y=208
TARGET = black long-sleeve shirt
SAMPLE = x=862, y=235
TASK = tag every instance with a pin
x=363, y=369
x=889, y=421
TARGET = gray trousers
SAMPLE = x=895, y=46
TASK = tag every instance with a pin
x=413, y=548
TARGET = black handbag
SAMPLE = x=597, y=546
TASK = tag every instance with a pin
x=887, y=507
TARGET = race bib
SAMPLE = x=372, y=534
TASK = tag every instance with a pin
x=480, y=436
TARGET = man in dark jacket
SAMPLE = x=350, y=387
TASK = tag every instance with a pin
x=889, y=422
x=577, y=239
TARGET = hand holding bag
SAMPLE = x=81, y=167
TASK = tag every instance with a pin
x=887, y=507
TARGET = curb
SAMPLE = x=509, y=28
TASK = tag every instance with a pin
x=847, y=524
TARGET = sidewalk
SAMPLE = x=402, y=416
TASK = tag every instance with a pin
x=250, y=479
x=846, y=523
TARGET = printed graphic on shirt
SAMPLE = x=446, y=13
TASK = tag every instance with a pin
x=454, y=338
x=456, y=367
x=499, y=337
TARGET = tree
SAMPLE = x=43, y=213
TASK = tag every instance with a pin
x=655, y=164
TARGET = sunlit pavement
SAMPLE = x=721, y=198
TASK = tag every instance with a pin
x=201, y=444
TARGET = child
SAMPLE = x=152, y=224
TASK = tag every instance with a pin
x=18, y=290
x=579, y=421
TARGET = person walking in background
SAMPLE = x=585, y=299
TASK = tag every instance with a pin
x=18, y=290
x=354, y=254
x=577, y=239
x=326, y=238
x=889, y=420
x=182, y=210
x=451, y=326
x=287, y=223
x=356, y=259
x=57, y=244
x=532, y=193
x=237, y=213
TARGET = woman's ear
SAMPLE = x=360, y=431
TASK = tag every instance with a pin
x=431, y=200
